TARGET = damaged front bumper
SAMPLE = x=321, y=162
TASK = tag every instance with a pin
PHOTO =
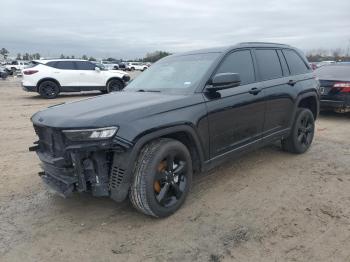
x=98, y=167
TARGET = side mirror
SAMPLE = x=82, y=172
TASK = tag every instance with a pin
x=97, y=69
x=224, y=81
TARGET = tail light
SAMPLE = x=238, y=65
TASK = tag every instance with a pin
x=30, y=72
x=342, y=87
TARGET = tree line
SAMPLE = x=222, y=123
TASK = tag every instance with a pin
x=149, y=57
x=337, y=54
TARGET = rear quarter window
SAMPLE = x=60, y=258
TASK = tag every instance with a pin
x=51, y=64
x=295, y=62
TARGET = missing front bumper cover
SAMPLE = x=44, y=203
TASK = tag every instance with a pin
x=60, y=186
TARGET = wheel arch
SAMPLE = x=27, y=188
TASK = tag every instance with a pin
x=309, y=101
x=115, y=78
x=183, y=133
x=126, y=161
x=47, y=79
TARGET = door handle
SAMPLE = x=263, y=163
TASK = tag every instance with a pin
x=255, y=91
x=292, y=82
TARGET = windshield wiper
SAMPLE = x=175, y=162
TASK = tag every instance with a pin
x=148, y=90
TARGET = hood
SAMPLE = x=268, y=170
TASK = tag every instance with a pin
x=109, y=110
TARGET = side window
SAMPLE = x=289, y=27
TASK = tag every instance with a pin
x=268, y=64
x=295, y=63
x=66, y=65
x=283, y=63
x=82, y=65
x=51, y=64
x=240, y=62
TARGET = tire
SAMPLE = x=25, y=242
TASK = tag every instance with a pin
x=302, y=134
x=132, y=69
x=49, y=89
x=114, y=85
x=3, y=76
x=162, y=178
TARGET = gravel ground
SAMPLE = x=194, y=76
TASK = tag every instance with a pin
x=265, y=206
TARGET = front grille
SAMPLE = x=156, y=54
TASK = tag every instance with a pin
x=50, y=140
x=116, y=177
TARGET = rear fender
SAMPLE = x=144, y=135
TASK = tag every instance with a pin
x=303, y=96
x=47, y=79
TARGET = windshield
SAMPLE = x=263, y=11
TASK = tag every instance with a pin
x=176, y=74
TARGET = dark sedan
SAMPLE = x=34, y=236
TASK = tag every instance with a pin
x=335, y=87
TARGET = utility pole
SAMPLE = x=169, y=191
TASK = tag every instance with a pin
x=348, y=49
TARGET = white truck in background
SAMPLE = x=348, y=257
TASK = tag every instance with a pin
x=16, y=66
x=110, y=65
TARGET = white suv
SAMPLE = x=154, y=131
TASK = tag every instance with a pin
x=131, y=66
x=50, y=77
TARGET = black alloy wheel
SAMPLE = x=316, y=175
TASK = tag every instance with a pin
x=170, y=181
x=49, y=89
x=162, y=177
x=302, y=133
x=305, y=130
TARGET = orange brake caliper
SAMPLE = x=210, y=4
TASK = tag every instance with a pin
x=161, y=168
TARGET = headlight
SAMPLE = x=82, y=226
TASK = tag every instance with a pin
x=126, y=78
x=91, y=134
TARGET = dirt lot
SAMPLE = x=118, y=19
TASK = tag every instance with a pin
x=265, y=206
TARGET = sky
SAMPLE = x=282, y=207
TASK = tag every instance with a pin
x=130, y=29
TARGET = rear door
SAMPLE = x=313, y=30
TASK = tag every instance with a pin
x=236, y=115
x=301, y=76
x=279, y=94
x=65, y=73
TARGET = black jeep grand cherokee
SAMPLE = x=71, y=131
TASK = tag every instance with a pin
x=185, y=114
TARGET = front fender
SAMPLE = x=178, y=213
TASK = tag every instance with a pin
x=122, y=169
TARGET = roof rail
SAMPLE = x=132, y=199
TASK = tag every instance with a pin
x=262, y=43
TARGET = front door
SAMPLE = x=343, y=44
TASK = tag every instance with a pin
x=236, y=115
x=87, y=77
